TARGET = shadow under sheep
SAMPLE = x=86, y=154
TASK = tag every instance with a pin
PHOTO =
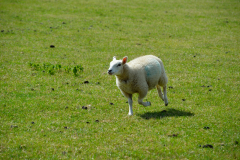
x=165, y=113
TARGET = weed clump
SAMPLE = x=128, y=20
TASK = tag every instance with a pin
x=52, y=69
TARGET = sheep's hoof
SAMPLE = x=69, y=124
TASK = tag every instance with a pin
x=149, y=103
x=166, y=104
x=130, y=114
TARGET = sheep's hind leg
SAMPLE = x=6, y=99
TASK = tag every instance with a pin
x=165, y=95
x=160, y=92
x=140, y=99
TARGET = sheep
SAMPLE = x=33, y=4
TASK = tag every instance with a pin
x=139, y=76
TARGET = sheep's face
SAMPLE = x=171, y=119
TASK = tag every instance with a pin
x=116, y=66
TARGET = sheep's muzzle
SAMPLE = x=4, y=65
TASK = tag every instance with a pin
x=110, y=72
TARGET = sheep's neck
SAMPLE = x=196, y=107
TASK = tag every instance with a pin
x=125, y=73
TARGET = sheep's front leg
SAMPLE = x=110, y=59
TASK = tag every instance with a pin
x=130, y=113
x=130, y=102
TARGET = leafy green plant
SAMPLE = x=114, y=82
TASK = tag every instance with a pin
x=67, y=69
x=52, y=69
x=35, y=66
x=58, y=66
x=76, y=69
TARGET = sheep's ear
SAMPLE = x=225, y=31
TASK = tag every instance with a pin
x=124, y=60
x=114, y=58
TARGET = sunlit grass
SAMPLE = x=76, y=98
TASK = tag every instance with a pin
x=42, y=115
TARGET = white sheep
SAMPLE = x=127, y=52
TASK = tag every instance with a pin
x=139, y=76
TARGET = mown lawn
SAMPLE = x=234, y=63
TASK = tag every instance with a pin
x=41, y=106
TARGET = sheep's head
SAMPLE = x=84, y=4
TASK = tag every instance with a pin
x=116, y=66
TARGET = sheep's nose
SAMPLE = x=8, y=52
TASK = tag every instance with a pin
x=110, y=72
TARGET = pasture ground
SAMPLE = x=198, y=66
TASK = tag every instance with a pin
x=41, y=115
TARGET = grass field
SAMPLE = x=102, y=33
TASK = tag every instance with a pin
x=41, y=115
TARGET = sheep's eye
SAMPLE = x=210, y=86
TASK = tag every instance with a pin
x=119, y=64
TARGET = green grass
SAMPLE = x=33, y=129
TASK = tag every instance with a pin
x=41, y=115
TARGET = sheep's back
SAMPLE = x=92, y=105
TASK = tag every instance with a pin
x=149, y=66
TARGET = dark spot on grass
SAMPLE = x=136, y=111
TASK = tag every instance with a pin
x=84, y=107
x=111, y=103
x=63, y=22
x=22, y=147
x=64, y=152
x=194, y=56
x=13, y=126
x=52, y=89
x=52, y=46
x=183, y=99
x=2, y=30
x=32, y=89
x=32, y=122
x=97, y=120
x=65, y=127
x=206, y=127
x=207, y=146
x=87, y=122
x=203, y=86
x=170, y=87
x=236, y=142
x=210, y=90
x=173, y=135
x=86, y=82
